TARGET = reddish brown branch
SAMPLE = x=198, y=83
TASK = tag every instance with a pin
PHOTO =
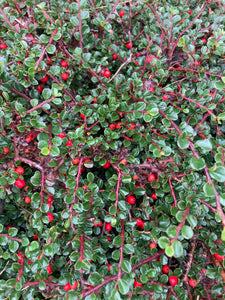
x=39, y=105
x=186, y=212
x=43, y=52
x=11, y=238
x=145, y=261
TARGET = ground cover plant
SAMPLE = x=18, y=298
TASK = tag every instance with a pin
x=112, y=149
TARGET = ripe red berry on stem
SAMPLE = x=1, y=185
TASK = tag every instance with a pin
x=153, y=196
x=106, y=165
x=131, y=200
x=3, y=46
x=137, y=284
x=35, y=237
x=128, y=45
x=165, y=269
x=192, y=282
x=109, y=267
x=64, y=76
x=44, y=79
x=122, y=13
x=173, y=280
x=140, y=223
x=165, y=97
x=112, y=126
x=67, y=287
x=114, y=56
x=50, y=217
x=74, y=286
x=219, y=257
x=27, y=200
x=64, y=64
x=49, y=269
x=151, y=177
x=39, y=88
x=152, y=245
x=107, y=73
x=6, y=150
x=49, y=61
x=19, y=170
x=131, y=126
x=69, y=143
x=20, y=183
x=108, y=227
x=62, y=135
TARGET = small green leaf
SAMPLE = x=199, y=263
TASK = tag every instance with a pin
x=204, y=144
x=218, y=174
x=123, y=286
x=163, y=242
x=187, y=232
x=219, y=85
x=182, y=143
x=178, y=249
x=209, y=190
x=169, y=251
x=197, y=163
x=126, y=266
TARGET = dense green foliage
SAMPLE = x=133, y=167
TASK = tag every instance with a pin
x=92, y=102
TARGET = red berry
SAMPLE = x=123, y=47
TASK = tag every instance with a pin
x=19, y=170
x=35, y=237
x=107, y=73
x=153, y=196
x=74, y=286
x=128, y=45
x=131, y=126
x=137, y=284
x=64, y=76
x=39, y=88
x=82, y=116
x=3, y=46
x=173, y=280
x=108, y=227
x=135, y=177
x=131, y=200
x=20, y=260
x=122, y=13
x=50, y=199
x=140, y=223
x=112, y=126
x=27, y=200
x=50, y=217
x=109, y=267
x=67, y=287
x=114, y=56
x=8, y=227
x=64, y=64
x=95, y=99
x=118, y=125
x=75, y=161
x=6, y=150
x=151, y=177
x=165, y=97
x=69, y=143
x=106, y=165
x=123, y=162
x=20, y=183
x=190, y=12
x=192, y=282
x=44, y=79
x=165, y=269
x=49, y=269
x=62, y=135
x=219, y=257
x=49, y=61
x=152, y=245
x=204, y=40
x=151, y=89
x=96, y=35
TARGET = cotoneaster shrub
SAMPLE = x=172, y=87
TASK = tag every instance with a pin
x=112, y=149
